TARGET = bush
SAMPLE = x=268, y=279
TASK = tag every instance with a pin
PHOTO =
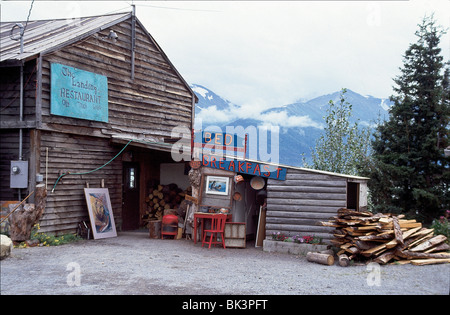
x=52, y=240
x=441, y=226
x=307, y=239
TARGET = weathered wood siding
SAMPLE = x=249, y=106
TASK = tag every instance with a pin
x=295, y=205
x=152, y=104
x=10, y=95
x=66, y=206
x=9, y=151
x=9, y=120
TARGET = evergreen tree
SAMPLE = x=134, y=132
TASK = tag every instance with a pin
x=410, y=171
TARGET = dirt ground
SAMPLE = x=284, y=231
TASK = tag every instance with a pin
x=132, y=263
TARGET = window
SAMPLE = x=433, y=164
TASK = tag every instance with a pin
x=132, y=178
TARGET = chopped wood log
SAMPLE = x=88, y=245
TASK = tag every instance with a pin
x=439, y=248
x=384, y=238
x=373, y=251
x=420, y=239
x=422, y=262
x=415, y=255
x=385, y=257
x=397, y=231
x=324, y=259
x=379, y=237
x=343, y=260
x=429, y=243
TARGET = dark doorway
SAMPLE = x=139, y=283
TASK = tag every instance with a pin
x=130, y=198
x=353, y=196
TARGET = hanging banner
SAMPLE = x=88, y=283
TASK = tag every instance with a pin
x=219, y=141
x=246, y=167
x=78, y=94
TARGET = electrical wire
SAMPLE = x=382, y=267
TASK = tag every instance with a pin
x=28, y=17
x=98, y=168
x=91, y=171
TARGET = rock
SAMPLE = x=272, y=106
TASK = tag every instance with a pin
x=6, y=246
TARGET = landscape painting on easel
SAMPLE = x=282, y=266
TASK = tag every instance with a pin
x=100, y=212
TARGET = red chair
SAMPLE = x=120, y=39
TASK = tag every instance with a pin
x=217, y=229
x=169, y=226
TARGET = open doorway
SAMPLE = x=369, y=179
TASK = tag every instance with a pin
x=130, y=197
x=353, y=196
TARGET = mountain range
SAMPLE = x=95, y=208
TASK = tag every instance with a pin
x=299, y=123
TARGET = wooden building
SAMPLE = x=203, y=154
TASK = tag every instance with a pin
x=295, y=205
x=296, y=198
x=145, y=98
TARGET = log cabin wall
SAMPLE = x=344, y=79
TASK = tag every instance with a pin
x=295, y=205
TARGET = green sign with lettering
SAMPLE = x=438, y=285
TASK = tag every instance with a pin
x=79, y=94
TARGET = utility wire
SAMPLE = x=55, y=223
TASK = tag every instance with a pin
x=98, y=168
x=91, y=171
x=28, y=17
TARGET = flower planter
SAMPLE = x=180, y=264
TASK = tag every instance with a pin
x=291, y=247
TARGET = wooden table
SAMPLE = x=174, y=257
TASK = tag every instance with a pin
x=202, y=216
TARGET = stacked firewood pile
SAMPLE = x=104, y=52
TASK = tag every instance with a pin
x=383, y=238
x=161, y=198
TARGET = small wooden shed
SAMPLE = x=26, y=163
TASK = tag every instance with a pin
x=125, y=88
x=296, y=198
x=295, y=205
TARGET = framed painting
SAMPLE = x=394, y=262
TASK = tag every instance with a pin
x=100, y=212
x=217, y=185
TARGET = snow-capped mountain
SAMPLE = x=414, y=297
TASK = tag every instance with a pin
x=212, y=108
x=300, y=123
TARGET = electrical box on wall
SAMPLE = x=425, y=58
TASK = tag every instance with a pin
x=19, y=174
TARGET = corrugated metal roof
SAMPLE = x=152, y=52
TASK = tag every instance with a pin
x=47, y=35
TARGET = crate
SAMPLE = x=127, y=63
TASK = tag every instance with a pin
x=235, y=234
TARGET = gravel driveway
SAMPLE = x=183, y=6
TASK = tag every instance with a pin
x=134, y=264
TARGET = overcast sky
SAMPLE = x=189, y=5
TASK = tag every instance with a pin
x=260, y=54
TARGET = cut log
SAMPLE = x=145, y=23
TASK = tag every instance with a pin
x=154, y=228
x=429, y=243
x=384, y=237
x=385, y=257
x=343, y=260
x=323, y=259
x=422, y=262
x=420, y=239
x=374, y=251
x=417, y=255
x=397, y=231
x=439, y=248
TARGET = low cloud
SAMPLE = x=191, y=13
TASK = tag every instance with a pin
x=284, y=120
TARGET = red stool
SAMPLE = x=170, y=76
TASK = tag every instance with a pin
x=217, y=228
x=169, y=225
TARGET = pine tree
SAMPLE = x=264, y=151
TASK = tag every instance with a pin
x=409, y=170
